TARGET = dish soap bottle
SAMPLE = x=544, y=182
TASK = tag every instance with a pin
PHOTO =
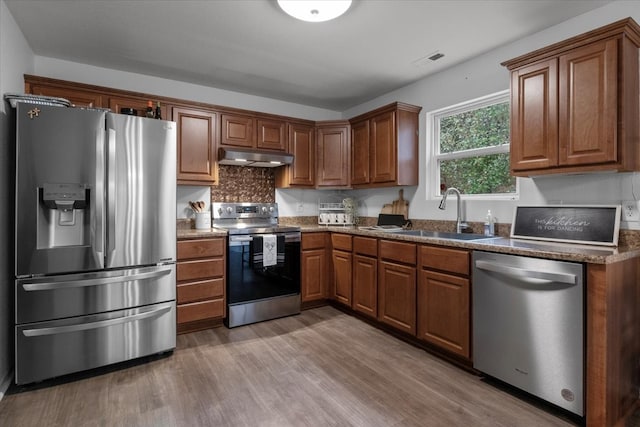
x=489, y=225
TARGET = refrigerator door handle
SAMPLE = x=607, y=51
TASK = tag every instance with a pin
x=525, y=273
x=98, y=238
x=38, y=332
x=111, y=194
x=46, y=286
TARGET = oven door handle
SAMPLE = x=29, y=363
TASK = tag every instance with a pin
x=240, y=240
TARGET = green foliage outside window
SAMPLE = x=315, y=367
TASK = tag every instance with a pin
x=480, y=128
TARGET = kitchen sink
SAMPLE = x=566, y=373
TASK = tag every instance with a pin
x=441, y=234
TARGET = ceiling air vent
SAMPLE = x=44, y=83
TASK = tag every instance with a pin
x=428, y=59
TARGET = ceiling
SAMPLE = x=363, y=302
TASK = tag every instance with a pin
x=251, y=46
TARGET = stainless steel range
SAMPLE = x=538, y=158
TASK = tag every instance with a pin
x=263, y=262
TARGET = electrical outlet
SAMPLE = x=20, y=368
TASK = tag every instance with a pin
x=300, y=207
x=631, y=210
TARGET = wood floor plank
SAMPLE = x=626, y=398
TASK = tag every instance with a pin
x=320, y=368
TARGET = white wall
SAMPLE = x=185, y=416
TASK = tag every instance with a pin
x=484, y=75
x=16, y=58
x=83, y=73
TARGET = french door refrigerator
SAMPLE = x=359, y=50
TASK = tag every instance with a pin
x=95, y=239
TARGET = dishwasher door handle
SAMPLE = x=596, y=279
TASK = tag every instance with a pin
x=525, y=273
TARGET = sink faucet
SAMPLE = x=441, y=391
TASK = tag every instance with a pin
x=443, y=204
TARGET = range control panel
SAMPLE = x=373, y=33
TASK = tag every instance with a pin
x=244, y=210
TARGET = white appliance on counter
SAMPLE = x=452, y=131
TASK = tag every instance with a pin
x=95, y=239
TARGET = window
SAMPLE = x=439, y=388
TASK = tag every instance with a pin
x=469, y=148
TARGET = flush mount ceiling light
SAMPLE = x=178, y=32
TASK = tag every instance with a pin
x=315, y=10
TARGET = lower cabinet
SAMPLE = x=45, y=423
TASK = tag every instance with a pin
x=397, y=285
x=444, y=299
x=365, y=276
x=342, y=268
x=313, y=267
x=200, y=296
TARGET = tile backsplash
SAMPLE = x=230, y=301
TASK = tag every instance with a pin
x=244, y=184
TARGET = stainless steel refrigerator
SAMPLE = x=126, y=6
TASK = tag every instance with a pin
x=95, y=239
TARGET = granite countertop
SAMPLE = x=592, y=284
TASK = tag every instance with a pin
x=550, y=250
x=192, y=233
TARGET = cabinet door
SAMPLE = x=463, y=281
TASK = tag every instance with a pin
x=333, y=156
x=382, y=149
x=238, y=131
x=534, y=116
x=77, y=97
x=302, y=145
x=272, y=134
x=443, y=311
x=196, y=145
x=313, y=270
x=360, y=153
x=365, y=285
x=342, y=277
x=588, y=104
x=397, y=296
x=140, y=105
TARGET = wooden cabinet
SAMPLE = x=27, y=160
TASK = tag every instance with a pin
x=360, y=152
x=342, y=268
x=237, y=131
x=314, y=267
x=365, y=276
x=116, y=103
x=77, y=97
x=384, y=148
x=272, y=135
x=200, y=296
x=444, y=299
x=397, y=285
x=301, y=173
x=196, y=130
x=332, y=158
x=574, y=105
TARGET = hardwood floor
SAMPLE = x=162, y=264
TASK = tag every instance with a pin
x=320, y=368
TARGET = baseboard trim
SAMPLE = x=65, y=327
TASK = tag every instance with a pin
x=5, y=383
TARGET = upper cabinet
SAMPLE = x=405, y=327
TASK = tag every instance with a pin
x=253, y=132
x=384, y=146
x=196, y=130
x=116, y=103
x=272, y=134
x=575, y=104
x=300, y=173
x=76, y=94
x=332, y=149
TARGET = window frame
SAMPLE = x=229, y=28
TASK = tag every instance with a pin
x=433, y=146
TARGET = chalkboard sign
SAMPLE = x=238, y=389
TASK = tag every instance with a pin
x=595, y=225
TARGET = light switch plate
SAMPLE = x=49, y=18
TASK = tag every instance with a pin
x=300, y=207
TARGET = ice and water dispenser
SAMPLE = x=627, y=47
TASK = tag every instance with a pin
x=63, y=215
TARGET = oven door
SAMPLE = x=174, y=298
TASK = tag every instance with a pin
x=249, y=282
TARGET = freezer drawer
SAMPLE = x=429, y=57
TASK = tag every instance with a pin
x=56, y=297
x=49, y=349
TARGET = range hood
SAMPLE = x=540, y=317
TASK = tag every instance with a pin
x=256, y=158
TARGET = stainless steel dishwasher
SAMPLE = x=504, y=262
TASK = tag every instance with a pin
x=528, y=325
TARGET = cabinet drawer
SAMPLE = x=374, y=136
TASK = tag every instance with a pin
x=445, y=259
x=200, y=269
x=365, y=246
x=341, y=241
x=313, y=241
x=202, y=248
x=198, y=291
x=200, y=310
x=397, y=251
